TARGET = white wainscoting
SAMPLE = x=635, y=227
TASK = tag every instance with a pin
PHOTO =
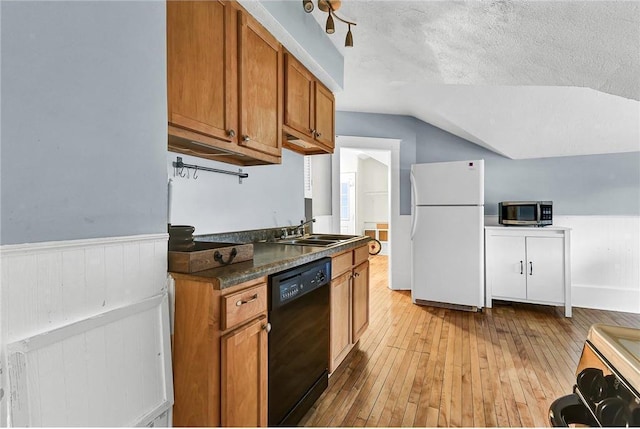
x=400, y=260
x=605, y=261
x=86, y=330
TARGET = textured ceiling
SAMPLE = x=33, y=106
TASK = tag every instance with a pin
x=523, y=78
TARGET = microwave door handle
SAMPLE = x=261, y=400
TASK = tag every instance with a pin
x=539, y=210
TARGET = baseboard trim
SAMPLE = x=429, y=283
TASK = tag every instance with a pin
x=606, y=298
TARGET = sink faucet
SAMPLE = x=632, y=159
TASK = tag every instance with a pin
x=303, y=224
x=295, y=231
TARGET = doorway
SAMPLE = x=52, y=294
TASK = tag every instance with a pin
x=371, y=151
x=364, y=193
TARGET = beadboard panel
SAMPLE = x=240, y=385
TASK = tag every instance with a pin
x=53, y=286
x=48, y=285
x=605, y=261
x=112, y=370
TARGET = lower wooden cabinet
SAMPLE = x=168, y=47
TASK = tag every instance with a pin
x=349, y=302
x=220, y=357
x=360, y=300
x=244, y=375
x=340, y=334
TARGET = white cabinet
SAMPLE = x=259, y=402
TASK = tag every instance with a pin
x=528, y=265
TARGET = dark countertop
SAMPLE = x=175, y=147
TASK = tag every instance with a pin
x=271, y=258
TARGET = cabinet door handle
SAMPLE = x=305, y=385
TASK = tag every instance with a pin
x=313, y=132
x=231, y=133
x=531, y=268
x=241, y=302
x=521, y=267
x=267, y=327
x=246, y=138
x=318, y=134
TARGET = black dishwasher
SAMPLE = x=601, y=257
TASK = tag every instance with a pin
x=298, y=341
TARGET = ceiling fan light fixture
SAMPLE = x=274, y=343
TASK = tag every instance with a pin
x=307, y=5
x=348, y=41
x=330, y=27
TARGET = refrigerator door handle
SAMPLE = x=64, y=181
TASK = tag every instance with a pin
x=414, y=221
x=414, y=215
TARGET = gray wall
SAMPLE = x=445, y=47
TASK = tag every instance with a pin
x=578, y=185
x=83, y=139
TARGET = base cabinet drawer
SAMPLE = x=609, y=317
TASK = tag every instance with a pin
x=242, y=306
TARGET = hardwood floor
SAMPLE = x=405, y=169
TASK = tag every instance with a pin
x=427, y=366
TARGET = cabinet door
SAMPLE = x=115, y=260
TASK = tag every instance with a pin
x=260, y=87
x=545, y=269
x=340, y=331
x=298, y=96
x=244, y=376
x=506, y=262
x=201, y=68
x=325, y=112
x=360, y=300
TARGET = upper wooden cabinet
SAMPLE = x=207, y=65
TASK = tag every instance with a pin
x=260, y=88
x=200, y=56
x=299, y=94
x=325, y=114
x=224, y=73
x=309, y=111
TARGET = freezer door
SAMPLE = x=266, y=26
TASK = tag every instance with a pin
x=447, y=255
x=448, y=183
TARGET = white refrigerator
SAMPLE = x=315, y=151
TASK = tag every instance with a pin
x=447, y=234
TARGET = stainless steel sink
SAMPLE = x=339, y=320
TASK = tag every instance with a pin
x=332, y=237
x=308, y=242
x=320, y=240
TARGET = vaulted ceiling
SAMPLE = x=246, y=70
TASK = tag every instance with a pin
x=525, y=79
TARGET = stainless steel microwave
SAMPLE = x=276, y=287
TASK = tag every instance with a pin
x=525, y=213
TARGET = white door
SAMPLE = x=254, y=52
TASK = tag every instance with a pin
x=545, y=269
x=506, y=271
x=447, y=255
x=348, y=203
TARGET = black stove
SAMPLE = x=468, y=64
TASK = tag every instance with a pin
x=606, y=393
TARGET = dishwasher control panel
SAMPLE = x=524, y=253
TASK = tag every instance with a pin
x=291, y=284
x=289, y=291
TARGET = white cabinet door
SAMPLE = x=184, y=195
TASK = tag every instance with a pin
x=506, y=267
x=545, y=269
